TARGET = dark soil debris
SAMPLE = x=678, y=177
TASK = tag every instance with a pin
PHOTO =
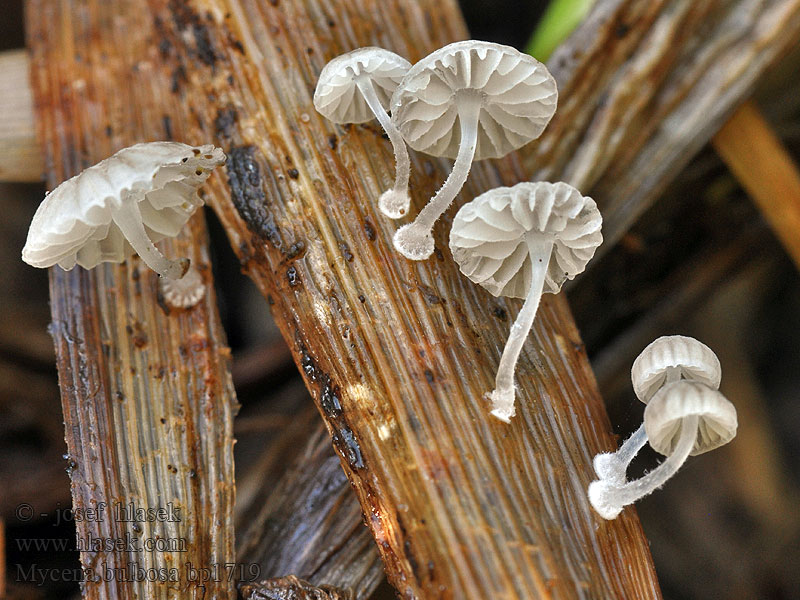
x=296, y=250
x=244, y=178
x=430, y=295
x=369, y=229
x=500, y=313
x=292, y=276
x=348, y=256
x=225, y=120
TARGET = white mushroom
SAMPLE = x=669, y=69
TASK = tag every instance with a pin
x=469, y=101
x=355, y=88
x=683, y=418
x=665, y=360
x=122, y=205
x=521, y=242
x=679, y=401
x=670, y=358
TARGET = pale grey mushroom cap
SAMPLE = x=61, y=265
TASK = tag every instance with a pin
x=674, y=402
x=694, y=360
x=337, y=96
x=518, y=98
x=73, y=225
x=488, y=237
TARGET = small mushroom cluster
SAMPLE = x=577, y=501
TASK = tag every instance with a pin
x=469, y=101
x=473, y=100
x=677, y=378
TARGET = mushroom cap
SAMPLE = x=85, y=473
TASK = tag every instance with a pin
x=337, y=96
x=518, y=97
x=695, y=361
x=74, y=224
x=488, y=237
x=674, y=402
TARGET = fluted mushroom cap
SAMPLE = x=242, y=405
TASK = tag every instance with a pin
x=337, y=96
x=695, y=360
x=73, y=225
x=518, y=97
x=666, y=410
x=488, y=237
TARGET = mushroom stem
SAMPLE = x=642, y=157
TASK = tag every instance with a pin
x=608, y=498
x=502, y=397
x=394, y=202
x=612, y=466
x=415, y=240
x=129, y=219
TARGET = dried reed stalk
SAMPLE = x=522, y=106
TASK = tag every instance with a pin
x=757, y=157
x=310, y=525
x=398, y=355
x=22, y=159
x=146, y=389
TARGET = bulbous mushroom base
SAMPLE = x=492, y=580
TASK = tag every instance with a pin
x=394, y=204
x=602, y=498
x=185, y=292
x=609, y=467
x=608, y=497
x=502, y=404
x=413, y=241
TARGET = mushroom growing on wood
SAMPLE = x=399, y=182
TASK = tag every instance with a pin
x=521, y=242
x=668, y=359
x=683, y=418
x=468, y=101
x=356, y=87
x=122, y=205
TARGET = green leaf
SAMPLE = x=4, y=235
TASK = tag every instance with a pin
x=559, y=20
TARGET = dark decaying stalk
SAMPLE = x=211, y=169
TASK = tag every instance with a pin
x=291, y=588
x=310, y=525
x=295, y=509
